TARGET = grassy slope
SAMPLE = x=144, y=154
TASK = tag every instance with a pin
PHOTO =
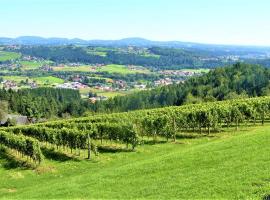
x=86, y=68
x=4, y=55
x=39, y=80
x=32, y=65
x=228, y=166
x=121, y=69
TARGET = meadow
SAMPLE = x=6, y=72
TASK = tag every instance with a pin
x=32, y=65
x=227, y=165
x=5, y=56
x=86, y=68
x=121, y=69
x=47, y=80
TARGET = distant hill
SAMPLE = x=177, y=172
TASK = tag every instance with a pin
x=140, y=42
x=232, y=82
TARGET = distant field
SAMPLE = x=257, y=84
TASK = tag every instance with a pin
x=86, y=68
x=197, y=70
x=5, y=56
x=31, y=65
x=150, y=55
x=98, y=53
x=107, y=94
x=121, y=69
x=49, y=80
x=15, y=78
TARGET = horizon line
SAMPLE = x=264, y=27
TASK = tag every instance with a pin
x=142, y=38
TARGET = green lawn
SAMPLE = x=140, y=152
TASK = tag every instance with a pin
x=224, y=166
x=4, y=55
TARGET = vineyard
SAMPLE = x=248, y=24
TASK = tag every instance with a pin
x=124, y=131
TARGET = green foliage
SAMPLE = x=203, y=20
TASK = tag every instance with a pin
x=227, y=166
x=233, y=82
x=44, y=102
x=3, y=109
x=7, y=56
x=25, y=145
x=164, y=122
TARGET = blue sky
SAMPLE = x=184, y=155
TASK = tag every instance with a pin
x=206, y=21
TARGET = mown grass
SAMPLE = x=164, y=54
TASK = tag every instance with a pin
x=233, y=165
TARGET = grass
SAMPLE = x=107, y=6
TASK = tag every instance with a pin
x=201, y=70
x=229, y=165
x=97, y=53
x=29, y=65
x=111, y=94
x=5, y=56
x=48, y=80
x=107, y=94
x=121, y=69
x=16, y=78
x=86, y=68
x=32, y=65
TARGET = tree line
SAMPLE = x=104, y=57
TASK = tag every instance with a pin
x=43, y=102
x=133, y=128
x=237, y=81
x=166, y=58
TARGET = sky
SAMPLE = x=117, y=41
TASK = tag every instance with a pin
x=244, y=22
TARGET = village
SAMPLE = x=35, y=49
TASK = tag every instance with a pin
x=102, y=80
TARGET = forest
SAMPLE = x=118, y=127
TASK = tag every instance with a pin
x=44, y=102
x=237, y=81
x=155, y=57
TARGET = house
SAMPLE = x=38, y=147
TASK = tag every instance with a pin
x=166, y=81
x=98, y=98
x=7, y=84
x=33, y=85
x=72, y=85
x=140, y=86
x=18, y=119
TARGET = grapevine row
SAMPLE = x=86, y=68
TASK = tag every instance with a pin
x=25, y=145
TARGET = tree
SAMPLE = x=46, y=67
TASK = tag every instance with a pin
x=3, y=109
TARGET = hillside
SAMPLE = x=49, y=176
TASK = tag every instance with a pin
x=232, y=82
x=231, y=165
x=209, y=150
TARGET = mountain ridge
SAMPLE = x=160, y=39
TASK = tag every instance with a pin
x=130, y=41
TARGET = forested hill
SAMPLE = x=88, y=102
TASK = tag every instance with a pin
x=154, y=57
x=43, y=102
x=237, y=81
